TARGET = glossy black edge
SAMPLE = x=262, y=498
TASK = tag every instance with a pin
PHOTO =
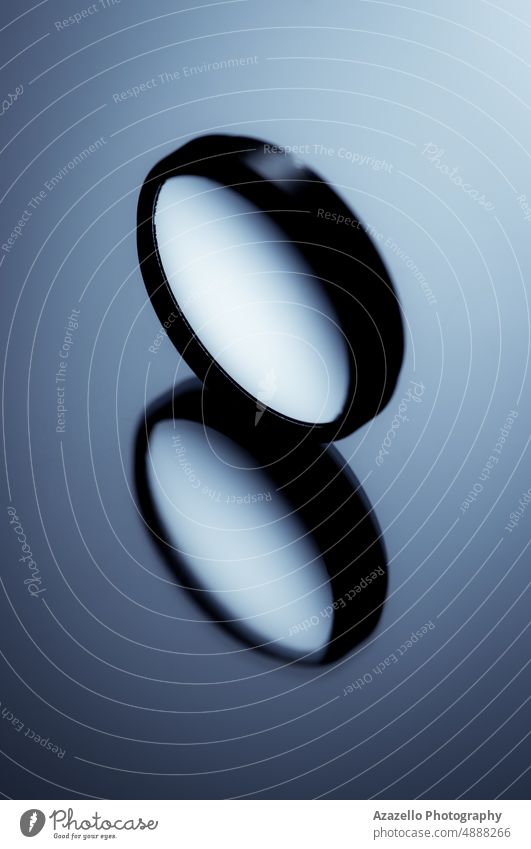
x=342, y=257
x=351, y=527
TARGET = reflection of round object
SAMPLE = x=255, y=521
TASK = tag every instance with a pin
x=276, y=542
x=271, y=298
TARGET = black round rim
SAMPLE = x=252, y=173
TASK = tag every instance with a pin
x=343, y=258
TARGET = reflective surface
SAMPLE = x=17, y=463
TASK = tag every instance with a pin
x=238, y=539
x=469, y=348
x=277, y=543
x=252, y=300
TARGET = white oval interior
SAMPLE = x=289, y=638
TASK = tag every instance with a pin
x=252, y=301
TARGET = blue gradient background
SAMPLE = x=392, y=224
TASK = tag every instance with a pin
x=113, y=663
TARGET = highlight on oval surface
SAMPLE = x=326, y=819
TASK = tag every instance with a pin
x=251, y=298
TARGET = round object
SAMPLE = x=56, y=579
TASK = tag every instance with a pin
x=279, y=306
